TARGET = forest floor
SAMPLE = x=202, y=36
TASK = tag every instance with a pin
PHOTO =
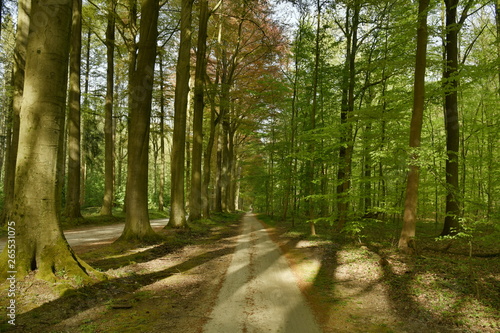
x=361, y=283
x=353, y=284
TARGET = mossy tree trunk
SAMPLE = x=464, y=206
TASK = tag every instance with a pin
x=40, y=243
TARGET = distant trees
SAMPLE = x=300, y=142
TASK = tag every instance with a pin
x=364, y=71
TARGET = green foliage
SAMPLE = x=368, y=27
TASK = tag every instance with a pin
x=269, y=220
x=355, y=229
x=94, y=189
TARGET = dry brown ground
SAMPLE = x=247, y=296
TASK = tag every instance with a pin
x=164, y=288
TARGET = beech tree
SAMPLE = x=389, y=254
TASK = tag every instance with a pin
x=40, y=242
x=137, y=226
x=23, y=21
x=410, y=212
x=195, y=203
x=452, y=125
x=74, y=116
x=107, y=204
x=347, y=109
x=177, y=209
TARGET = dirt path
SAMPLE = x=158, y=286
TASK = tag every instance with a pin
x=95, y=235
x=260, y=292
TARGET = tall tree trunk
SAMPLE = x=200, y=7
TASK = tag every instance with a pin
x=218, y=174
x=231, y=198
x=207, y=165
x=137, y=226
x=345, y=152
x=177, y=207
x=40, y=244
x=86, y=103
x=312, y=124
x=213, y=138
x=1, y=16
x=225, y=177
x=109, y=149
x=451, y=223
x=367, y=173
x=196, y=203
x=74, y=136
x=161, y=192
x=410, y=211
x=497, y=20
x=23, y=23
x=288, y=190
x=132, y=47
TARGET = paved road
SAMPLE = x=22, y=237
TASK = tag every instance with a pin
x=96, y=234
x=260, y=292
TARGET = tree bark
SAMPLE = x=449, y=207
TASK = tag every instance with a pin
x=231, y=188
x=161, y=192
x=225, y=170
x=288, y=190
x=137, y=226
x=40, y=243
x=497, y=20
x=311, y=147
x=83, y=161
x=410, y=210
x=1, y=16
x=23, y=22
x=218, y=174
x=177, y=207
x=132, y=47
x=207, y=165
x=109, y=160
x=451, y=223
x=74, y=136
x=196, y=203
x=345, y=152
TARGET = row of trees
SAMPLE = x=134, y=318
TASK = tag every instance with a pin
x=121, y=93
x=316, y=129
x=337, y=149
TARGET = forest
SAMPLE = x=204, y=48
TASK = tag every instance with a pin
x=368, y=123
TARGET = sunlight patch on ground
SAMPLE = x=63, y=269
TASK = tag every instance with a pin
x=449, y=300
x=308, y=269
x=354, y=263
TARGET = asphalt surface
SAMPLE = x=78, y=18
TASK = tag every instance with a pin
x=94, y=235
x=260, y=292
